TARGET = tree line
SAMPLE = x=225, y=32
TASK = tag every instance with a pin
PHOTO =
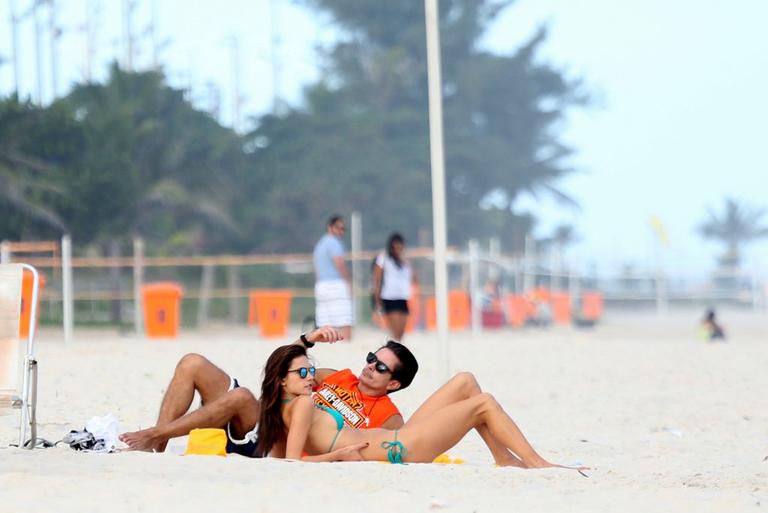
x=132, y=157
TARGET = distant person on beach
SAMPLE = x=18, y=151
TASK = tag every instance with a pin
x=710, y=329
x=292, y=426
x=393, y=278
x=362, y=400
x=333, y=285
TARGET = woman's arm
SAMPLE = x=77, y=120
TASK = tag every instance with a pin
x=347, y=453
x=298, y=431
x=298, y=426
x=378, y=272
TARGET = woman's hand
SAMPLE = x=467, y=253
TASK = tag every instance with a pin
x=350, y=452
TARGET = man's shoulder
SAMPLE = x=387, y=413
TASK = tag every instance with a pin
x=340, y=375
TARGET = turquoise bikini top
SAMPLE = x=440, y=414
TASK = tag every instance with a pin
x=333, y=413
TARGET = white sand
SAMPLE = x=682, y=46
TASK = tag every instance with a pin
x=669, y=422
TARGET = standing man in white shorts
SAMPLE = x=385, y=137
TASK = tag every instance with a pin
x=333, y=286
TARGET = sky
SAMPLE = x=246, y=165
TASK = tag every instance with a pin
x=678, y=121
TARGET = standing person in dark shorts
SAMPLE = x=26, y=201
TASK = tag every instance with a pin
x=393, y=277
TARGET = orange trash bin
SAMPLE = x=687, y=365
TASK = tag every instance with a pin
x=271, y=310
x=592, y=306
x=161, y=309
x=518, y=308
x=458, y=311
x=27, y=284
x=561, y=307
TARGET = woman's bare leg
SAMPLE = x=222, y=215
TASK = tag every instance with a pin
x=428, y=437
x=459, y=388
x=396, y=322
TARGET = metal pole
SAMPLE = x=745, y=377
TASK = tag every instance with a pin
x=236, y=95
x=15, y=45
x=38, y=55
x=206, y=286
x=155, y=60
x=528, y=268
x=438, y=181
x=274, y=43
x=356, y=229
x=5, y=252
x=128, y=33
x=233, y=283
x=138, y=284
x=54, y=37
x=474, y=286
x=67, y=292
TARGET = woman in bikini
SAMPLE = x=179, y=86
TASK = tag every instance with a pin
x=292, y=426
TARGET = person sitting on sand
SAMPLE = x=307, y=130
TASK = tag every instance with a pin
x=292, y=426
x=710, y=329
x=363, y=400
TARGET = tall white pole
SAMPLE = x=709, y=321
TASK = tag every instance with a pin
x=128, y=33
x=15, y=45
x=54, y=38
x=274, y=44
x=5, y=252
x=67, y=292
x=474, y=286
x=438, y=182
x=234, y=43
x=138, y=284
x=155, y=58
x=38, y=53
x=356, y=227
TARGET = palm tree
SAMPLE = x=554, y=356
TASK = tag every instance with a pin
x=24, y=178
x=737, y=225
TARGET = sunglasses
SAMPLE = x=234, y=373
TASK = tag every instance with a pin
x=381, y=367
x=304, y=371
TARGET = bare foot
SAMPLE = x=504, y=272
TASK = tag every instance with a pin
x=144, y=440
x=511, y=461
x=542, y=463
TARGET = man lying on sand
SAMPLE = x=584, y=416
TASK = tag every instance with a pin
x=362, y=401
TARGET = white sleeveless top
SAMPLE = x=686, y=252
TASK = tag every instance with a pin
x=396, y=281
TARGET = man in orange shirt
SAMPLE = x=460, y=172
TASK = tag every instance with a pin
x=363, y=400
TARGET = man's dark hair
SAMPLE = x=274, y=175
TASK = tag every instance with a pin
x=408, y=367
x=334, y=219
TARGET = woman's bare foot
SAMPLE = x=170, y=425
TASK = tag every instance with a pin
x=542, y=463
x=511, y=461
x=145, y=440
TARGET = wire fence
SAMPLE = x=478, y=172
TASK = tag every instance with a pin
x=106, y=291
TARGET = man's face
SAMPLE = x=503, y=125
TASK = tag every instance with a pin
x=337, y=229
x=379, y=379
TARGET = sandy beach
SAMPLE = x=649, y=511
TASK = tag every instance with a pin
x=666, y=421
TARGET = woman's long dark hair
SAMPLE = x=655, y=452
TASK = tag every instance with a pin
x=395, y=237
x=271, y=426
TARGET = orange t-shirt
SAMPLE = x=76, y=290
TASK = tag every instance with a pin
x=340, y=391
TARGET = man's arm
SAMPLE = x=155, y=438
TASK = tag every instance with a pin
x=322, y=334
x=338, y=261
x=394, y=422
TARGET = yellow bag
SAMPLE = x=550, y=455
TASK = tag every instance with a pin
x=208, y=442
x=446, y=459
